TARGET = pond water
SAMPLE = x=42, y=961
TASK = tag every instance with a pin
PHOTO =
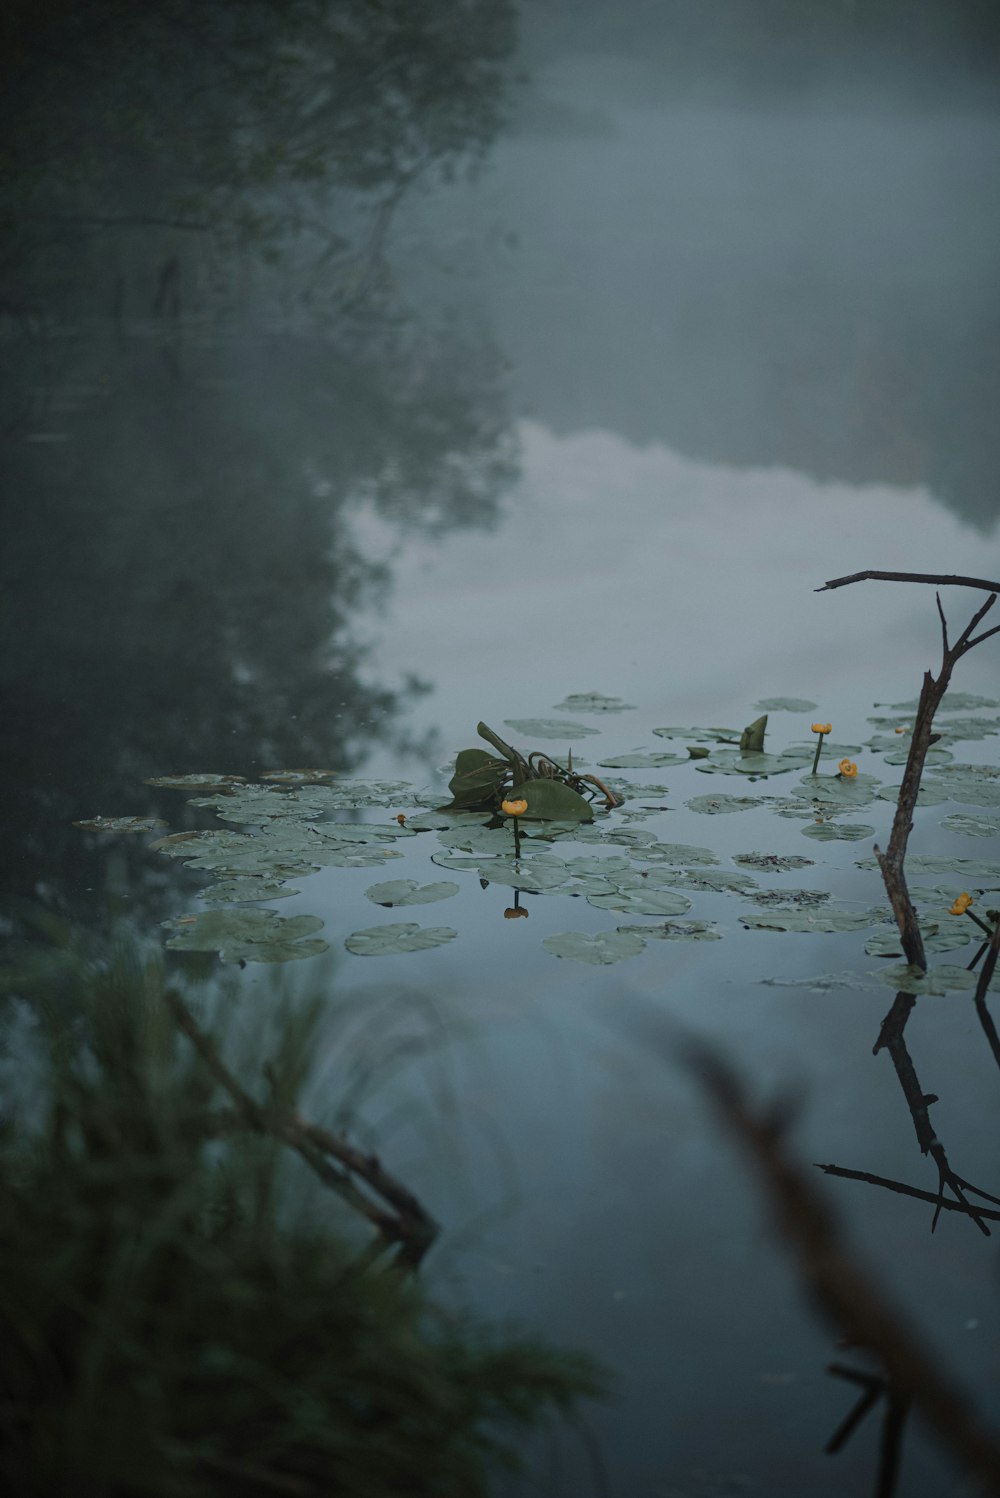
x=674, y=367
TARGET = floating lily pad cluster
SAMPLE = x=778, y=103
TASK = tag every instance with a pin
x=576, y=836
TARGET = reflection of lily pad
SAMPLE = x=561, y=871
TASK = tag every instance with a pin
x=550, y=728
x=599, y=949
x=247, y=935
x=121, y=824
x=592, y=702
x=784, y=705
x=719, y=805
x=810, y=920
x=676, y=931
x=409, y=892
x=778, y=863
x=838, y=832
x=403, y=936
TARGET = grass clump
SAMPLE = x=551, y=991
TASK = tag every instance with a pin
x=175, y=1325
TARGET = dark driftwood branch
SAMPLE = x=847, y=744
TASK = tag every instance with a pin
x=941, y=579
x=902, y=1189
x=334, y=1160
x=921, y=738
x=843, y=1290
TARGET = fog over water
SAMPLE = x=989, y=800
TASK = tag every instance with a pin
x=716, y=320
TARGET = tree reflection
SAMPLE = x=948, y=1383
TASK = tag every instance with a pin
x=205, y=374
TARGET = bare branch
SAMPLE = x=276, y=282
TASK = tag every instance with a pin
x=409, y=1224
x=948, y=579
x=901, y=1189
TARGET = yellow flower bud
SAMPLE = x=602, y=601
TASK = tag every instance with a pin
x=513, y=808
x=961, y=905
x=822, y=728
x=848, y=769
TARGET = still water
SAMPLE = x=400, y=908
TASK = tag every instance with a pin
x=674, y=368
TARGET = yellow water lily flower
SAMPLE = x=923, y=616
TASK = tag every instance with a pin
x=961, y=905
x=513, y=808
x=822, y=728
x=848, y=769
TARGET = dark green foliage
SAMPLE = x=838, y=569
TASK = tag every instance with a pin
x=171, y=1325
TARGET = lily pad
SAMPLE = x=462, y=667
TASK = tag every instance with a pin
x=752, y=763
x=935, y=938
x=820, y=983
x=246, y=891
x=639, y=761
x=720, y=881
x=838, y=832
x=299, y=777
x=247, y=935
x=721, y=805
x=937, y=980
x=592, y=702
x=931, y=793
x=784, y=705
x=954, y=702
x=121, y=824
x=686, y=854
x=967, y=870
x=701, y=735
x=776, y=863
x=969, y=826
x=961, y=783
x=402, y=936
x=802, y=899
x=676, y=931
x=409, y=892
x=793, y=919
x=599, y=949
x=197, y=781
x=837, y=791
x=550, y=728
x=642, y=901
